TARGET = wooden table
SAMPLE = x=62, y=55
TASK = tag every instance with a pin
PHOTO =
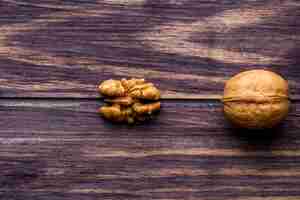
x=54, y=145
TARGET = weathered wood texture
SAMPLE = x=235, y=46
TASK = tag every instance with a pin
x=52, y=148
x=63, y=150
x=188, y=47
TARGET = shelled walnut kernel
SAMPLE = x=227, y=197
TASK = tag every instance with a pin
x=130, y=101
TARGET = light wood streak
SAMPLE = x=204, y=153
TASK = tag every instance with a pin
x=191, y=152
x=174, y=38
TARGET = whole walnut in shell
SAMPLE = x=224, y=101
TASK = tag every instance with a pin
x=256, y=99
x=129, y=101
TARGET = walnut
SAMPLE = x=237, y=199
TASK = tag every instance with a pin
x=256, y=99
x=129, y=100
x=112, y=88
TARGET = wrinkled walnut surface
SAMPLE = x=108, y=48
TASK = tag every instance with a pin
x=256, y=99
x=129, y=100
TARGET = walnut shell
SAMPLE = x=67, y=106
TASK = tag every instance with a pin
x=256, y=99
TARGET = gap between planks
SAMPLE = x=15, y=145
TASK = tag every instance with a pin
x=205, y=97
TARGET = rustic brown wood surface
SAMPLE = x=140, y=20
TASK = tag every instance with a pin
x=188, y=47
x=63, y=150
x=53, y=144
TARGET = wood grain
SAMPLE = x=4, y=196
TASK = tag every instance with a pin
x=53, y=144
x=187, y=47
x=63, y=150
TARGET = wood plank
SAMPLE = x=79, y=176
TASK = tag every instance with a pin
x=63, y=150
x=188, y=48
